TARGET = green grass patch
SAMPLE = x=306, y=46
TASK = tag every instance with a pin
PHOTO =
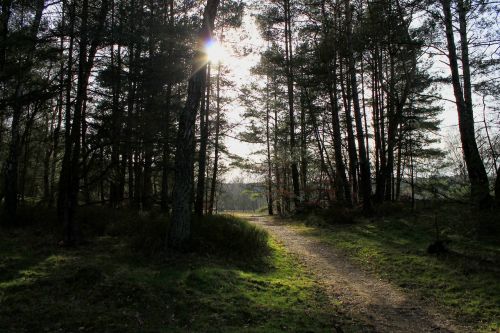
x=463, y=282
x=106, y=285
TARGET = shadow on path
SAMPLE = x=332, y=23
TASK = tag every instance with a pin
x=379, y=304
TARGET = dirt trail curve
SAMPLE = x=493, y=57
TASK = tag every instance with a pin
x=381, y=305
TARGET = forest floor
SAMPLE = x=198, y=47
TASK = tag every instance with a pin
x=369, y=276
x=350, y=267
x=105, y=285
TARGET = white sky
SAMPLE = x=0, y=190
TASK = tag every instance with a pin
x=244, y=46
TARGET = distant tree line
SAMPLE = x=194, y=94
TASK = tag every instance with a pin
x=239, y=196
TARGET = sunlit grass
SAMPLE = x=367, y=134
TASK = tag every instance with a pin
x=463, y=283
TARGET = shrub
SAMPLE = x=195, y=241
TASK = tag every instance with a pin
x=148, y=234
x=145, y=231
x=396, y=209
x=220, y=235
x=229, y=236
x=314, y=219
x=339, y=215
x=98, y=220
x=36, y=215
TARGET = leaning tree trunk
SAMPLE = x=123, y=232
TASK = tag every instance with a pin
x=480, y=192
x=180, y=229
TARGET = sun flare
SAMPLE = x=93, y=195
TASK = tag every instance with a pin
x=215, y=51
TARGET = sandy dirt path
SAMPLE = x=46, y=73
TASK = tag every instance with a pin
x=382, y=306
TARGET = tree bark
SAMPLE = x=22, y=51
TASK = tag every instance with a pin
x=164, y=204
x=11, y=168
x=366, y=186
x=180, y=229
x=279, y=187
x=215, y=169
x=116, y=121
x=351, y=140
x=4, y=31
x=497, y=188
x=202, y=154
x=166, y=154
x=303, y=151
x=342, y=189
x=69, y=182
x=290, y=84
x=480, y=192
x=270, y=199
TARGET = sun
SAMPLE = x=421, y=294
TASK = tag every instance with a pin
x=215, y=52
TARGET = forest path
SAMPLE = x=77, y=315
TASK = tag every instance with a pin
x=382, y=306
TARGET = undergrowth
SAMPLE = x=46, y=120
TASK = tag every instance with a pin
x=108, y=284
x=146, y=232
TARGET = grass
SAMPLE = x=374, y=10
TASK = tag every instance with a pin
x=464, y=282
x=107, y=285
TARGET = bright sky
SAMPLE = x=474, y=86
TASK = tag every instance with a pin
x=241, y=50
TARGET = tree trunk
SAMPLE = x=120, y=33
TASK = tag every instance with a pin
x=303, y=151
x=202, y=154
x=351, y=141
x=166, y=154
x=343, y=190
x=164, y=204
x=115, y=168
x=60, y=103
x=275, y=154
x=180, y=229
x=215, y=169
x=497, y=188
x=148, y=121
x=400, y=168
x=69, y=182
x=478, y=178
x=270, y=199
x=326, y=164
x=11, y=168
x=366, y=186
x=290, y=83
x=4, y=31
